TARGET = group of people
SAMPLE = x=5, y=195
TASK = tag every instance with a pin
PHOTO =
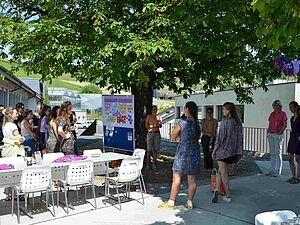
x=277, y=125
x=46, y=130
x=227, y=148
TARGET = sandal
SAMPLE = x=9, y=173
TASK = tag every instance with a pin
x=289, y=180
x=294, y=181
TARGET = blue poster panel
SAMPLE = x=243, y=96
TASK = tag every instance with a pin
x=118, y=121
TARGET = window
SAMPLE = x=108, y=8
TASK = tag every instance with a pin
x=240, y=112
x=200, y=112
x=220, y=112
x=178, y=113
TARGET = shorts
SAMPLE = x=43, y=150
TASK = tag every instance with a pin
x=231, y=159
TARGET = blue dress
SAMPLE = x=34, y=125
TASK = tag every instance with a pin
x=187, y=158
x=294, y=143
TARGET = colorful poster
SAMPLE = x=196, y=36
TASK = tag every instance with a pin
x=118, y=111
x=118, y=121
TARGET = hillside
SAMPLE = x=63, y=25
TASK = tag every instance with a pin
x=66, y=81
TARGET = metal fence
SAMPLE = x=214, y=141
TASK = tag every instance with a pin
x=255, y=139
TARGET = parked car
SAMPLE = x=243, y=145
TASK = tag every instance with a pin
x=80, y=125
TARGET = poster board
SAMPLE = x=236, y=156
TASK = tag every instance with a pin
x=118, y=121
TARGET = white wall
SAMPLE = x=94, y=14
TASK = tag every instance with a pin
x=81, y=116
x=255, y=115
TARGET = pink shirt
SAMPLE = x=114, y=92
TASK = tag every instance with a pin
x=276, y=121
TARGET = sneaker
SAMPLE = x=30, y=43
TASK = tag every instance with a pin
x=276, y=174
x=165, y=205
x=227, y=199
x=215, y=197
x=269, y=173
x=188, y=206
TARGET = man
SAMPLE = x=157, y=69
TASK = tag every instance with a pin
x=277, y=125
x=20, y=109
x=1, y=122
x=153, y=123
x=209, y=130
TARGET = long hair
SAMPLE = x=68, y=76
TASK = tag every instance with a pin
x=27, y=113
x=63, y=112
x=296, y=105
x=54, y=112
x=7, y=115
x=193, y=110
x=232, y=111
x=45, y=109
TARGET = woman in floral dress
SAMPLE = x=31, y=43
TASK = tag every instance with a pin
x=187, y=158
x=66, y=138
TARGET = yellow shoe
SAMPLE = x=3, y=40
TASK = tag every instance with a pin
x=165, y=205
x=188, y=206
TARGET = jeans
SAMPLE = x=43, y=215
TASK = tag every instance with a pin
x=275, y=146
x=208, y=161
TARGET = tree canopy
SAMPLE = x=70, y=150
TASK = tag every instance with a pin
x=280, y=24
x=134, y=43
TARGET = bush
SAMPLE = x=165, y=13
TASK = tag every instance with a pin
x=91, y=89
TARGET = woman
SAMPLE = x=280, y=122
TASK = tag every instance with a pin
x=11, y=136
x=66, y=137
x=44, y=133
x=12, y=140
x=277, y=125
x=53, y=142
x=294, y=143
x=187, y=158
x=27, y=131
x=228, y=148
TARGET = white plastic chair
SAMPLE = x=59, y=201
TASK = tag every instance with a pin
x=80, y=173
x=140, y=154
x=128, y=172
x=35, y=179
x=10, y=178
x=58, y=171
x=274, y=217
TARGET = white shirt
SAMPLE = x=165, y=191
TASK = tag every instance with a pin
x=8, y=129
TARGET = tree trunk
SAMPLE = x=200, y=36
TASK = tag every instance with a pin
x=142, y=105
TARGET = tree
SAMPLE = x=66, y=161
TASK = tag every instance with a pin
x=280, y=24
x=140, y=45
x=91, y=89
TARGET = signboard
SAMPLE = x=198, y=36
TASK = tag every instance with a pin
x=118, y=121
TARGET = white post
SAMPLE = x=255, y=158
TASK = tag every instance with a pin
x=215, y=111
x=203, y=112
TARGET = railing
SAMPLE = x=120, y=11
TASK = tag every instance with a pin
x=255, y=139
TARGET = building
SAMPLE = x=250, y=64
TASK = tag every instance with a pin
x=14, y=90
x=57, y=96
x=91, y=102
x=36, y=84
x=252, y=115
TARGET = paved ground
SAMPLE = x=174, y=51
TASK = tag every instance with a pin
x=251, y=195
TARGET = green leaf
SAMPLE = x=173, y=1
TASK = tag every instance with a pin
x=297, y=43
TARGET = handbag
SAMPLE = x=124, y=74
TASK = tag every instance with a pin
x=213, y=182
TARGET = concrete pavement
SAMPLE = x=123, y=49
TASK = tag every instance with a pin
x=251, y=195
